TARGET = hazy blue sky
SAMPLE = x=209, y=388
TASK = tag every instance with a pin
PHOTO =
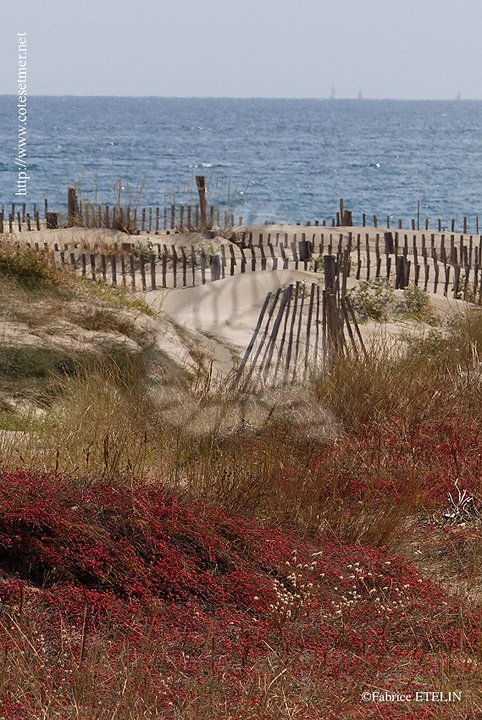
x=246, y=48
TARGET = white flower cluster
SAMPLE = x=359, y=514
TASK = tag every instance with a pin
x=292, y=596
x=385, y=597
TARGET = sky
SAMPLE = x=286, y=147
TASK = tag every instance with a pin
x=402, y=49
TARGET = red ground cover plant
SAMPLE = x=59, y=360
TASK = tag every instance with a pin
x=122, y=601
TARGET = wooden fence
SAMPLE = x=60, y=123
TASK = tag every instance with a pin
x=299, y=328
x=191, y=217
x=444, y=264
x=344, y=218
x=132, y=220
x=437, y=262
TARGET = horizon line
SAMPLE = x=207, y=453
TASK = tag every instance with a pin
x=250, y=97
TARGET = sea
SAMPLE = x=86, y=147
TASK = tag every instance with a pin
x=281, y=160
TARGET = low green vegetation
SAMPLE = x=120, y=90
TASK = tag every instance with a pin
x=116, y=296
x=415, y=305
x=372, y=299
x=377, y=300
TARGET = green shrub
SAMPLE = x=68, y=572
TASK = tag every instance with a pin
x=416, y=306
x=376, y=299
x=372, y=299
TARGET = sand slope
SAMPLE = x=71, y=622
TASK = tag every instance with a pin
x=215, y=322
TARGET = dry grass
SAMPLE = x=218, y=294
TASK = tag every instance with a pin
x=108, y=422
x=410, y=424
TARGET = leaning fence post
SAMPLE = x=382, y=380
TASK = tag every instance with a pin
x=291, y=334
x=298, y=334
x=251, y=342
x=263, y=338
x=268, y=353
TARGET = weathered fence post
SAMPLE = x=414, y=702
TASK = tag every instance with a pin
x=113, y=267
x=72, y=208
x=174, y=265
x=201, y=187
x=184, y=267
x=215, y=267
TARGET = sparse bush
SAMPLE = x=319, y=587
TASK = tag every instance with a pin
x=416, y=305
x=146, y=249
x=376, y=300
x=372, y=299
x=318, y=261
x=208, y=247
x=115, y=296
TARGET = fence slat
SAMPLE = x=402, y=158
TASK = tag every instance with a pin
x=251, y=342
x=152, y=261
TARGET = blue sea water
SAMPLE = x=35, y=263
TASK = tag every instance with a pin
x=277, y=159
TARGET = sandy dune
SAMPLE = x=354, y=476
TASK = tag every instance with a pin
x=216, y=321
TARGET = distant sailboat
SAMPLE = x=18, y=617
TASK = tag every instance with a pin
x=359, y=96
x=459, y=96
x=333, y=93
